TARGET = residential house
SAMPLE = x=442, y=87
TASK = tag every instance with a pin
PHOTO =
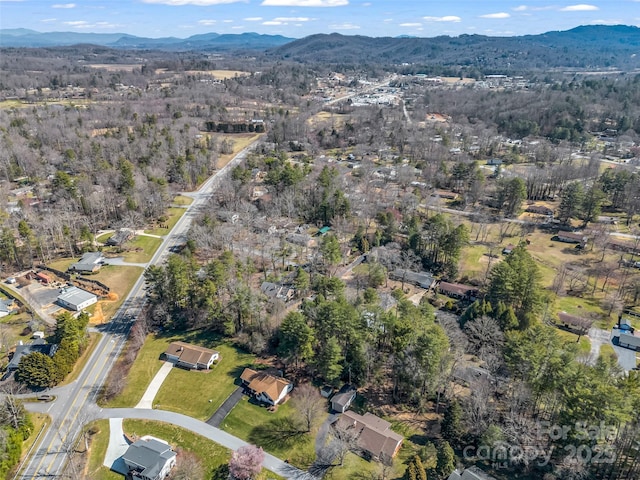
x=421, y=279
x=445, y=194
x=495, y=162
x=300, y=239
x=38, y=345
x=5, y=307
x=149, y=459
x=540, y=210
x=571, y=237
x=76, y=299
x=281, y=292
x=342, y=400
x=471, y=473
x=89, y=263
x=626, y=247
x=574, y=322
x=372, y=434
x=120, y=237
x=458, y=290
x=265, y=387
x=191, y=356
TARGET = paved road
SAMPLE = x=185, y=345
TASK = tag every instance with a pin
x=201, y=428
x=75, y=403
x=220, y=414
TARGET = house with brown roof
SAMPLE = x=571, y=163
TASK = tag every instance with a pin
x=571, y=237
x=191, y=356
x=458, y=290
x=540, y=210
x=372, y=434
x=574, y=322
x=265, y=387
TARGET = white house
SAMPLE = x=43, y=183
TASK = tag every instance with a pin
x=265, y=387
x=76, y=299
x=191, y=356
x=149, y=459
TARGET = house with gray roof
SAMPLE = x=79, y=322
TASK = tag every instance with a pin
x=89, y=263
x=149, y=459
x=121, y=236
x=342, y=400
x=471, y=473
x=38, y=345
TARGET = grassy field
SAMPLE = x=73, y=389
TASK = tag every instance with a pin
x=245, y=421
x=199, y=394
x=142, y=372
x=142, y=248
x=97, y=450
x=240, y=141
x=213, y=457
x=39, y=420
x=172, y=214
x=104, y=237
x=474, y=262
x=584, y=346
x=120, y=280
x=182, y=200
x=62, y=264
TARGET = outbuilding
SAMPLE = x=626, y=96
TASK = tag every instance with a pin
x=76, y=299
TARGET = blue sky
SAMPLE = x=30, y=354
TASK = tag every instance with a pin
x=299, y=18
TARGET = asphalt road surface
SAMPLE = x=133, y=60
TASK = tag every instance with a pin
x=75, y=404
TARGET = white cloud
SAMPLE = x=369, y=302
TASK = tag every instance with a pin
x=521, y=8
x=446, y=18
x=496, y=15
x=271, y=22
x=579, y=8
x=207, y=22
x=252, y=19
x=292, y=19
x=344, y=26
x=411, y=25
x=366, y=4
x=389, y=20
x=199, y=3
x=48, y=20
x=237, y=27
x=64, y=5
x=76, y=23
x=304, y=3
x=227, y=21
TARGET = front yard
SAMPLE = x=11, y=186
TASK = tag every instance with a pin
x=212, y=457
x=255, y=424
x=197, y=394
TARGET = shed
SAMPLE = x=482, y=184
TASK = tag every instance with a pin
x=342, y=400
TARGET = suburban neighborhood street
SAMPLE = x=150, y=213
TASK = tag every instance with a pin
x=75, y=404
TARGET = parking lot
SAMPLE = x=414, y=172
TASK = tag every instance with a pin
x=40, y=298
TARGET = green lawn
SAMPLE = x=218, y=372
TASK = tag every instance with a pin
x=248, y=421
x=584, y=346
x=213, y=457
x=97, y=450
x=142, y=372
x=120, y=280
x=62, y=264
x=186, y=392
x=172, y=215
x=199, y=394
x=182, y=200
x=104, y=237
x=141, y=249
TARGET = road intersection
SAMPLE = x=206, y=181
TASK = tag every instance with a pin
x=75, y=403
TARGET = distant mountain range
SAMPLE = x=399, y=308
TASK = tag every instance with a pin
x=22, y=37
x=586, y=47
